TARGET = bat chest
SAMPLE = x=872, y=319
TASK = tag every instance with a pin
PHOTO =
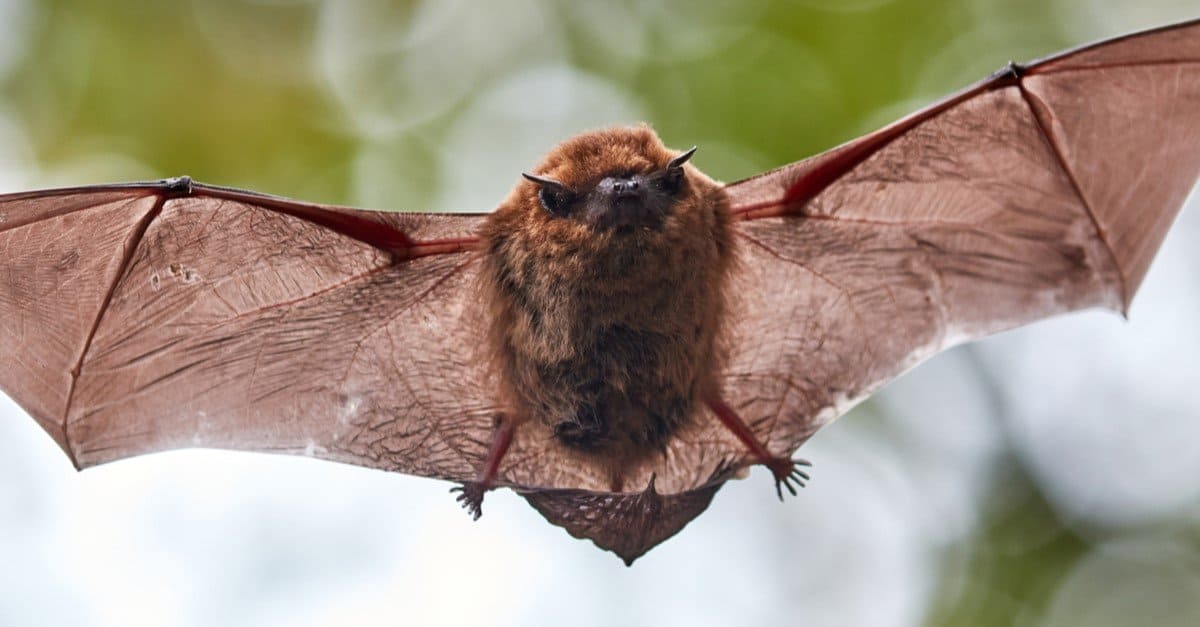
x=615, y=372
x=622, y=390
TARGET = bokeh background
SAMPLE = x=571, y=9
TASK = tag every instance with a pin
x=1047, y=476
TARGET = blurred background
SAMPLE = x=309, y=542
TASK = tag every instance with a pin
x=1047, y=476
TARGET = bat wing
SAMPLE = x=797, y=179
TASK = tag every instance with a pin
x=144, y=317
x=1044, y=189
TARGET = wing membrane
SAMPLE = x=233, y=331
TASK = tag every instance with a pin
x=1042, y=190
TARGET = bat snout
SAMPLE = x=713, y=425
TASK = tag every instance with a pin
x=623, y=204
x=616, y=188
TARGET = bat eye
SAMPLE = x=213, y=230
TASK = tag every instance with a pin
x=555, y=197
x=555, y=202
x=671, y=180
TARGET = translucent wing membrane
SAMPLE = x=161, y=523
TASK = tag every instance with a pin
x=142, y=318
x=1044, y=189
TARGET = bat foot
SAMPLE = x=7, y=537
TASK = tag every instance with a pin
x=788, y=474
x=471, y=497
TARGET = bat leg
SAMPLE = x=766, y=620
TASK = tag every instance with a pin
x=788, y=472
x=471, y=492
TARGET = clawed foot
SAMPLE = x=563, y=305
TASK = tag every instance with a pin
x=787, y=474
x=471, y=497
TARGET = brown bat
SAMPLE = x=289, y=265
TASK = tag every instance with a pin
x=622, y=334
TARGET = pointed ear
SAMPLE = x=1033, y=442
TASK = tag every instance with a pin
x=683, y=158
x=671, y=177
x=546, y=183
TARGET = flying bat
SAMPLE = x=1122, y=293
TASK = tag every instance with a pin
x=622, y=334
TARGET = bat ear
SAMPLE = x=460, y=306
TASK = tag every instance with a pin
x=672, y=176
x=554, y=195
x=683, y=158
x=545, y=182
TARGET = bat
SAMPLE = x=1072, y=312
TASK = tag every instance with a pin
x=622, y=334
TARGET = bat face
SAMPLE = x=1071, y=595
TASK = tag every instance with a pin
x=609, y=190
x=605, y=272
x=632, y=196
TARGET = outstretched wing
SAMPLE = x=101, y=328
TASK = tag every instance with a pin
x=144, y=317
x=1043, y=189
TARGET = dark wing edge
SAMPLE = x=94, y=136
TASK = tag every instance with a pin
x=1043, y=189
x=369, y=226
x=149, y=316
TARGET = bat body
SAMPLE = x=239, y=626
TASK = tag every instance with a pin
x=622, y=334
x=605, y=277
x=608, y=332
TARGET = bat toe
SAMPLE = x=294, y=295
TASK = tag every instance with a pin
x=788, y=474
x=471, y=497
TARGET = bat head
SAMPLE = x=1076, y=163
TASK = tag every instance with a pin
x=615, y=182
x=621, y=179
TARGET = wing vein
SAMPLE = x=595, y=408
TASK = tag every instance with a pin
x=118, y=277
x=1044, y=130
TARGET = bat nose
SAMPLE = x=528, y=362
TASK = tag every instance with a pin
x=614, y=187
x=620, y=202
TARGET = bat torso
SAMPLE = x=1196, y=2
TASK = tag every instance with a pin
x=608, y=338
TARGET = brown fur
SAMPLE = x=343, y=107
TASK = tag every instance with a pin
x=609, y=339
